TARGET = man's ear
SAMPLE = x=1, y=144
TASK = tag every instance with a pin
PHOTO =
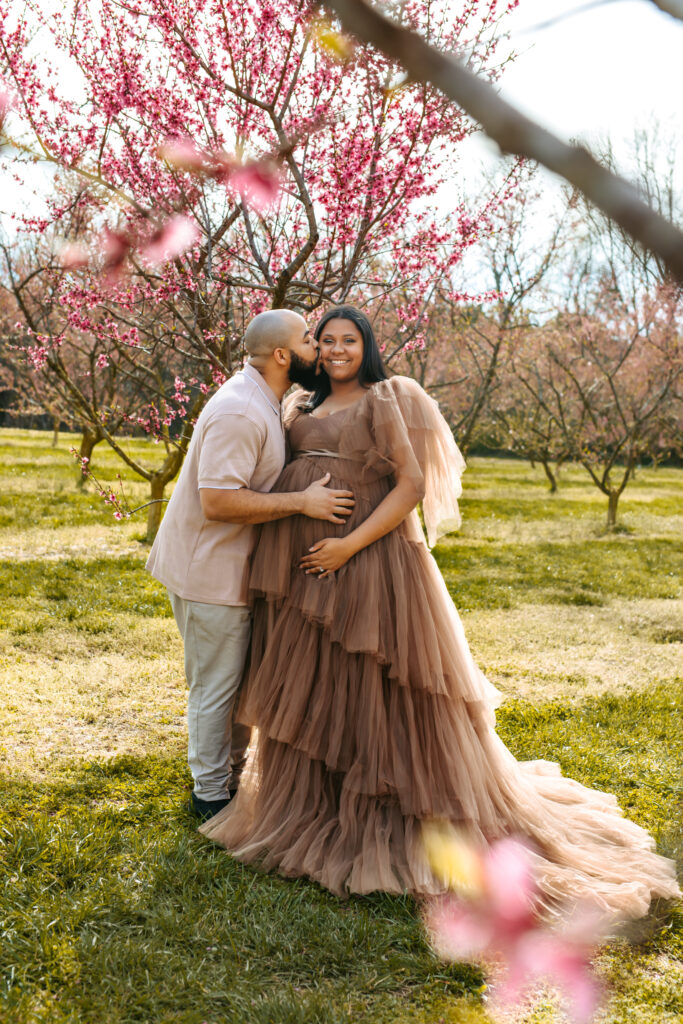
x=281, y=356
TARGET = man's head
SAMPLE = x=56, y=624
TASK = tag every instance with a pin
x=278, y=341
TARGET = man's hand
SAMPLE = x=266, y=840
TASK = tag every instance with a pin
x=326, y=556
x=321, y=502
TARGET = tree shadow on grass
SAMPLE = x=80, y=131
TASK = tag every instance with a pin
x=116, y=909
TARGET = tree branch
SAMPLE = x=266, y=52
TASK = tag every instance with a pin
x=672, y=7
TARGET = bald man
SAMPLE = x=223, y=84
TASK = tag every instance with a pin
x=201, y=553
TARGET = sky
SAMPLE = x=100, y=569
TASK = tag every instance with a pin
x=606, y=71
x=601, y=72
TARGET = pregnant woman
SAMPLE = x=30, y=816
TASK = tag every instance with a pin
x=372, y=716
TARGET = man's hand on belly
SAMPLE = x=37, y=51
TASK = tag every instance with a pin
x=240, y=505
x=322, y=502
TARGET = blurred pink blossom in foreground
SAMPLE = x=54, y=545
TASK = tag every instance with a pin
x=73, y=256
x=5, y=103
x=114, y=246
x=185, y=155
x=172, y=239
x=493, y=916
x=259, y=183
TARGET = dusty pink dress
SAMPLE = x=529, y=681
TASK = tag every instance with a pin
x=371, y=714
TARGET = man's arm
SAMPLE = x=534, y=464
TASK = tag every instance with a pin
x=240, y=505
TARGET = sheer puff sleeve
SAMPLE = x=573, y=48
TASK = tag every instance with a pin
x=292, y=404
x=409, y=432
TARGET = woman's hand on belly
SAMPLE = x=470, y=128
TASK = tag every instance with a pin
x=326, y=556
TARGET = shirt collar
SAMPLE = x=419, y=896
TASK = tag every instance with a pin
x=265, y=390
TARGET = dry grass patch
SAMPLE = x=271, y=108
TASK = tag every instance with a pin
x=96, y=541
x=539, y=652
x=564, y=529
x=65, y=695
x=644, y=989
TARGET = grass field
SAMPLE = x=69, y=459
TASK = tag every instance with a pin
x=112, y=907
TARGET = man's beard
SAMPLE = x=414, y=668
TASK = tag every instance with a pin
x=301, y=372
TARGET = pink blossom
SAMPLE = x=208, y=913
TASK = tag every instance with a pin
x=115, y=247
x=540, y=955
x=73, y=256
x=6, y=102
x=258, y=183
x=37, y=356
x=185, y=155
x=500, y=923
x=509, y=881
x=172, y=239
x=457, y=933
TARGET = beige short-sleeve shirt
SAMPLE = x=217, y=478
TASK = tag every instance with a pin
x=238, y=441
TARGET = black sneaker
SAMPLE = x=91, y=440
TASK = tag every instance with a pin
x=205, y=809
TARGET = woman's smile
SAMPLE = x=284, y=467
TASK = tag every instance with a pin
x=341, y=350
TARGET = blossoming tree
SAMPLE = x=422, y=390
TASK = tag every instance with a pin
x=225, y=157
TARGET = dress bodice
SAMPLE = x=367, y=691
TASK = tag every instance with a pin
x=395, y=426
x=312, y=433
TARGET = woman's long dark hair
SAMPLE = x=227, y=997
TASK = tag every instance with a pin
x=371, y=368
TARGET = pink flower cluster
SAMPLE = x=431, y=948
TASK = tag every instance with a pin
x=37, y=356
x=109, y=496
x=114, y=248
x=258, y=182
x=495, y=917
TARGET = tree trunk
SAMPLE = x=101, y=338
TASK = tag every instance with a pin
x=612, y=502
x=55, y=431
x=551, y=477
x=157, y=485
x=91, y=437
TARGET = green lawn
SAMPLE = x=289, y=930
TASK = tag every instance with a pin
x=113, y=909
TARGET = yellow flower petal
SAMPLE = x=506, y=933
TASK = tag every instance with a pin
x=334, y=43
x=454, y=861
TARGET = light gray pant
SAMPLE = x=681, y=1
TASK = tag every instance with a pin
x=216, y=639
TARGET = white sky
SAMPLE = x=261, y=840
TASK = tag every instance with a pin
x=603, y=72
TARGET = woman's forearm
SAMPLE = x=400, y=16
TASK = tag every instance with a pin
x=391, y=511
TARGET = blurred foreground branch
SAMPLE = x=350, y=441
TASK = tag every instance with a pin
x=672, y=7
x=514, y=132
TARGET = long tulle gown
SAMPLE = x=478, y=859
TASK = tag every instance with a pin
x=372, y=716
